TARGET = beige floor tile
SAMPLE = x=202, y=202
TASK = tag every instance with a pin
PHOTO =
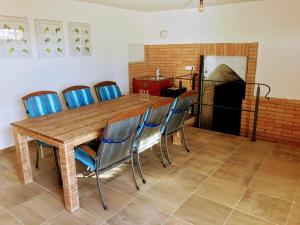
x=18, y=194
x=240, y=218
x=7, y=219
x=86, y=217
x=215, y=151
x=155, y=169
x=226, y=140
x=2, y=210
x=235, y=174
x=27, y=216
x=178, y=154
x=138, y=212
x=66, y=218
x=285, y=154
x=9, y=163
x=258, y=147
x=47, y=179
x=297, y=195
x=274, y=186
x=114, y=199
x=45, y=205
x=164, y=196
x=281, y=169
x=202, y=165
x=44, y=165
x=294, y=218
x=245, y=160
x=185, y=179
x=175, y=221
x=200, y=211
x=221, y=191
x=7, y=177
x=125, y=183
x=270, y=208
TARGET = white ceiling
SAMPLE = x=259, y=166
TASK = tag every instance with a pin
x=159, y=5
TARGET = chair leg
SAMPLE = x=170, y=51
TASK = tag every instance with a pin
x=37, y=149
x=100, y=191
x=167, y=151
x=162, y=155
x=184, y=140
x=140, y=168
x=133, y=173
x=57, y=168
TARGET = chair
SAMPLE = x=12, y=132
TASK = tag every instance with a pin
x=149, y=133
x=115, y=147
x=176, y=118
x=107, y=90
x=39, y=104
x=77, y=96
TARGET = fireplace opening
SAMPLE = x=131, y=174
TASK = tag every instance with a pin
x=222, y=92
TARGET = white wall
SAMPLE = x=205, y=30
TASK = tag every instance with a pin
x=112, y=30
x=275, y=24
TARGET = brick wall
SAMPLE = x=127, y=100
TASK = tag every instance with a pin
x=278, y=120
x=172, y=59
x=135, y=70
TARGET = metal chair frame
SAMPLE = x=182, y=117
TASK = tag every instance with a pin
x=151, y=110
x=130, y=158
x=181, y=127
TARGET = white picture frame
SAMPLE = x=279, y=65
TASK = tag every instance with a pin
x=50, y=38
x=79, y=39
x=15, y=39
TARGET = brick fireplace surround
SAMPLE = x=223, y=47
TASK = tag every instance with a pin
x=279, y=119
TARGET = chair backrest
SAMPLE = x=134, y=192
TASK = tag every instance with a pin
x=41, y=103
x=149, y=132
x=116, y=143
x=107, y=90
x=178, y=112
x=78, y=96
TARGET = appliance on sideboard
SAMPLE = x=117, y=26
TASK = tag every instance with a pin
x=154, y=84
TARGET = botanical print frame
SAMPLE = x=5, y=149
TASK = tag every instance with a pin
x=80, y=39
x=14, y=37
x=50, y=38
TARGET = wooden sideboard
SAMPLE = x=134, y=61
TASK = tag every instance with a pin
x=154, y=86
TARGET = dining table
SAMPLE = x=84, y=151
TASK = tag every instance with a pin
x=67, y=129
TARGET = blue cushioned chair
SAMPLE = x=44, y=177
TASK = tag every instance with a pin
x=78, y=96
x=114, y=149
x=149, y=133
x=40, y=104
x=176, y=118
x=107, y=90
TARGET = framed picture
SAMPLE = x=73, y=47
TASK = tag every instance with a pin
x=50, y=38
x=80, y=39
x=14, y=37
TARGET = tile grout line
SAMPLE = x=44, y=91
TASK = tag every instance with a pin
x=247, y=188
x=293, y=203
x=207, y=176
x=135, y=197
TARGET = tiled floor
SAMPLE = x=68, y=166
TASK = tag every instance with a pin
x=224, y=180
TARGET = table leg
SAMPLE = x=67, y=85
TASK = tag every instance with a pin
x=69, y=177
x=22, y=150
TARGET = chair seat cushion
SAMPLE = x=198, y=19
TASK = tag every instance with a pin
x=83, y=157
x=148, y=142
x=86, y=154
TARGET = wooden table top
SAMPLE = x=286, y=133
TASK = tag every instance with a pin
x=69, y=125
